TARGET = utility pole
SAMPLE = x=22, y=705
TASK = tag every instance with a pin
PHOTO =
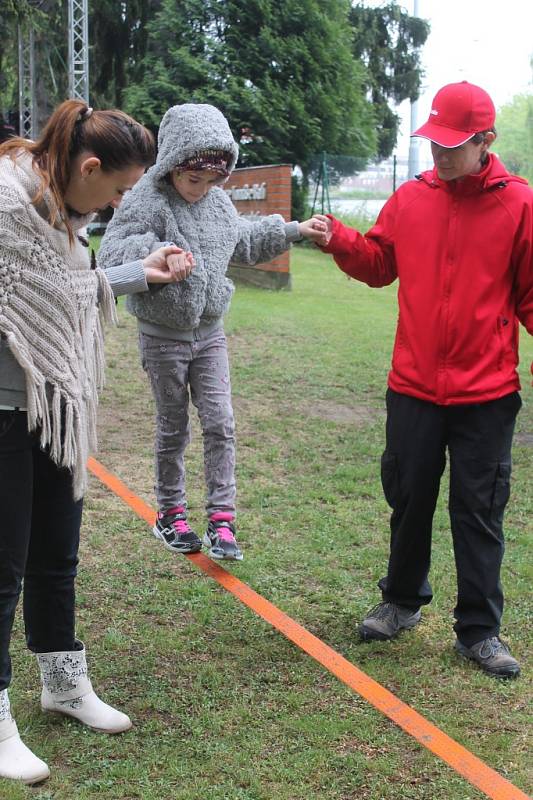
x=414, y=144
x=78, y=50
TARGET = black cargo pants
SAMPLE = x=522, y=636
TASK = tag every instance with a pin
x=478, y=439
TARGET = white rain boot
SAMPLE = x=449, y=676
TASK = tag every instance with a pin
x=17, y=762
x=68, y=690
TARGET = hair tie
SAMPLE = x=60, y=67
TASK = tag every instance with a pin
x=83, y=115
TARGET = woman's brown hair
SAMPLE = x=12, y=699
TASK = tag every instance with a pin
x=73, y=128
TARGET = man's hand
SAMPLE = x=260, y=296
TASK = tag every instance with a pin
x=318, y=229
x=167, y=265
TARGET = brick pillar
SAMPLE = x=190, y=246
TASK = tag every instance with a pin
x=257, y=192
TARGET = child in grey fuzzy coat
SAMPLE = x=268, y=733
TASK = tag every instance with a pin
x=182, y=342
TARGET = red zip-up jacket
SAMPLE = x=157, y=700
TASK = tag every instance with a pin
x=463, y=254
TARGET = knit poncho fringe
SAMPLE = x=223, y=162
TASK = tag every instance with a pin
x=52, y=314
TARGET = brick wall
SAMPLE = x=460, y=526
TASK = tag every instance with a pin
x=269, y=191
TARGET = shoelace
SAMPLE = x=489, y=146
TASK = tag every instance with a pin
x=181, y=526
x=493, y=647
x=225, y=534
x=383, y=610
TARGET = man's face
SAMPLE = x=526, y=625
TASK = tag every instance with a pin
x=453, y=163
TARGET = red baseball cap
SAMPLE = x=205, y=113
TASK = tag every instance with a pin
x=458, y=112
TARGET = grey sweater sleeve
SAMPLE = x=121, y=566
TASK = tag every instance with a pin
x=264, y=239
x=129, y=235
x=127, y=278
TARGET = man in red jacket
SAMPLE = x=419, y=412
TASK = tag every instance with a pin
x=459, y=239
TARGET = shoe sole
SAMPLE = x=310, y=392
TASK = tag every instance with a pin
x=34, y=781
x=193, y=548
x=369, y=634
x=110, y=731
x=207, y=542
x=508, y=674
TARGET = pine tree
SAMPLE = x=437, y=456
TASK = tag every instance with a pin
x=118, y=35
x=388, y=41
x=283, y=73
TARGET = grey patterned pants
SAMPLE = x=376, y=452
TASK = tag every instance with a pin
x=200, y=368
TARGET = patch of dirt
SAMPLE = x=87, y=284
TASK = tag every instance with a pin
x=524, y=438
x=337, y=412
x=356, y=414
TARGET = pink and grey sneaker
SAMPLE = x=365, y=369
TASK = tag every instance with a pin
x=220, y=537
x=174, y=531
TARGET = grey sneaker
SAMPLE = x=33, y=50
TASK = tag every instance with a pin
x=492, y=655
x=175, y=532
x=386, y=620
x=220, y=540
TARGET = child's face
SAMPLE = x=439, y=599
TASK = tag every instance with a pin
x=192, y=185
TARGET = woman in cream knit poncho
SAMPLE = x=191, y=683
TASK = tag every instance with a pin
x=52, y=310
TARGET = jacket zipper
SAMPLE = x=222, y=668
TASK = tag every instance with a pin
x=501, y=323
x=448, y=276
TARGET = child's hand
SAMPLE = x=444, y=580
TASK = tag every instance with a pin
x=181, y=265
x=156, y=266
x=319, y=229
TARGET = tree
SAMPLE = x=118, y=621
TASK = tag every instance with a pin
x=514, y=144
x=14, y=13
x=47, y=19
x=295, y=78
x=51, y=53
x=118, y=36
x=283, y=73
x=388, y=41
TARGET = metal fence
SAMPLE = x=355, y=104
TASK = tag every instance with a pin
x=345, y=184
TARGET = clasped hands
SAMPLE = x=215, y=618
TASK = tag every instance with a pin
x=169, y=264
x=318, y=229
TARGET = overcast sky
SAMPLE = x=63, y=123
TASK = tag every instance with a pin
x=488, y=42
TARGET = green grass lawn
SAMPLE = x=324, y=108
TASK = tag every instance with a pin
x=224, y=707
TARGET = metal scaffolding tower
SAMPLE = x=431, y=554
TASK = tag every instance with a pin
x=78, y=50
x=78, y=64
x=27, y=115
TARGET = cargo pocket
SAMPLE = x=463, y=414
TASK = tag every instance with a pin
x=389, y=478
x=502, y=488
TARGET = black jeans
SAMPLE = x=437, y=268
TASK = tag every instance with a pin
x=478, y=438
x=39, y=539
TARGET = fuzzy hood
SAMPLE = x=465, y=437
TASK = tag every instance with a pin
x=188, y=128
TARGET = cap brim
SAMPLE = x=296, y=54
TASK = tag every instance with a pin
x=445, y=137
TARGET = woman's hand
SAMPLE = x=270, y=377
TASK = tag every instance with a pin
x=167, y=265
x=319, y=229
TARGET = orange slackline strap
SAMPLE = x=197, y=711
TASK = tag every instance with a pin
x=458, y=757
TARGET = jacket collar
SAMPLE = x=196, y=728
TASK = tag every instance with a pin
x=493, y=175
